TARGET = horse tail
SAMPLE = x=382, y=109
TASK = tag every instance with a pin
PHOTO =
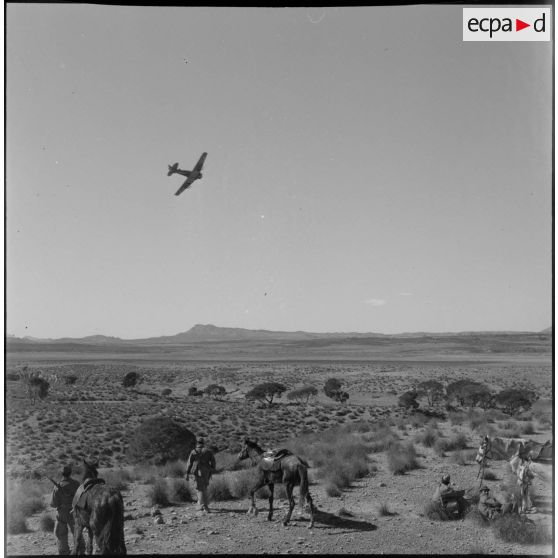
x=303, y=473
x=108, y=522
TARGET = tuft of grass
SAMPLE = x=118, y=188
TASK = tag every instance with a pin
x=46, y=523
x=158, y=494
x=383, y=510
x=402, y=458
x=332, y=489
x=490, y=476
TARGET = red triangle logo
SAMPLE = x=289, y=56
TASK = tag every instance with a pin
x=519, y=25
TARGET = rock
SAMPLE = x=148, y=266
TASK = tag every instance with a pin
x=159, y=520
x=155, y=511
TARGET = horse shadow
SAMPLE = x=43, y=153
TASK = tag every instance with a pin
x=332, y=521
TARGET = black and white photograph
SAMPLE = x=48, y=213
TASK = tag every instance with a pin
x=279, y=280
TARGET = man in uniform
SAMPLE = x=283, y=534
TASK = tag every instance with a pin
x=490, y=507
x=455, y=506
x=525, y=477
x=62, y=496
x=201, y=464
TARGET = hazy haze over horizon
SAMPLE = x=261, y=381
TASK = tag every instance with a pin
x=367, y=171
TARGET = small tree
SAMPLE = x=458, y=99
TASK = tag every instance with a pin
x=160, y=439
x=477, y=395
x=332, y=388
x=130, y=380
x=408, y=400
x=514, y=400
x=215, y=391
x=37, y=387
x=266, y=391
x=302, y=394
x=459, y=390
x=432, y=390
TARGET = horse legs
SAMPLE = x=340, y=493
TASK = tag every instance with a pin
x=290, y=496
x=252, y=509
x=311, y=505
x=270, y=513
x=89, y=545
x=79, y=543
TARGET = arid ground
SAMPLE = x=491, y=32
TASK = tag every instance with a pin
x=376, y=511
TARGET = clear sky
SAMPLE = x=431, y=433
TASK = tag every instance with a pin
x=367, y=171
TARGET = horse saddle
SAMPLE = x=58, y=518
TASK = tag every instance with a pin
x=271, y=459
x=79, y=496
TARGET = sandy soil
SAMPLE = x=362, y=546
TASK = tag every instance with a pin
x=348, y=524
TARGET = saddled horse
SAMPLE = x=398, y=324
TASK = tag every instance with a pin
x=99, y=509
x=288, y=469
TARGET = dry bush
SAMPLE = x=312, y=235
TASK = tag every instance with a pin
x=402, y=458
x=528, y=428
x=23, y=500
x=460, y=457
x=46, y=523
x=16, y=523
x=517, y=529
x=332, y=489
x=173, y=469
x=118, y=478
x=428, y=437
x=383, y=510
x=475, y=516
x=179, y=491
x=158, y=494
x=457, y=441
x=434, y=510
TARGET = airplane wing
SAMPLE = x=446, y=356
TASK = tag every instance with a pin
x=199, y=164
x=187, y=183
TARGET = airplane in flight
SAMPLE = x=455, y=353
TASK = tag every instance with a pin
x=191, y=176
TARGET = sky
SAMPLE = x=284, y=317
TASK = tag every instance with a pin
x=367, y=171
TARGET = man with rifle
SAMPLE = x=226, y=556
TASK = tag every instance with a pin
x=62, y=496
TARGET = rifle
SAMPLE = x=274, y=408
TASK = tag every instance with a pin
x=53, y=482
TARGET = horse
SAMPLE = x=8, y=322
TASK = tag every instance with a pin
x=99, y=509
x=289, y=470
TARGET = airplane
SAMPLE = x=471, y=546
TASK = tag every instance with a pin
x=191, y=176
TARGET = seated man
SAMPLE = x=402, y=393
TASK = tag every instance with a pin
x=443, y=488
x=451, y=499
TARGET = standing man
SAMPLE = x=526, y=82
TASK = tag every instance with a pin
x=525, y=477
x=201, y=464
x=62, y=496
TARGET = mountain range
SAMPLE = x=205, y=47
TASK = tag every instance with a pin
x=207, y=333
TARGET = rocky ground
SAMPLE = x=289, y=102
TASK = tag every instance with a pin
x=380, y=514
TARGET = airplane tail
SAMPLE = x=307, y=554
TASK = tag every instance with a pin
x=172, y=169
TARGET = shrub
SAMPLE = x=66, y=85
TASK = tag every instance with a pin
x=174, y=469
x=158, y=495
x=489, y=476
x=476, y=517
x=332, y=489
x=440, y=447
x=130, y=380
x=165, y=392
x=434, y=510
x=179, y=491
x=428, y=438
x=220, y=488
x=460, y=457
x=46, y=523
x=528, y=428
x=117, y=478
x=402, y=458
x=15, y=523
x=517, y=529
x=160, y=439
x=384, y=511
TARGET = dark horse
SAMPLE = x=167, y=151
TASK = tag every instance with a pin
x=290, y=470
x=100, y=510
